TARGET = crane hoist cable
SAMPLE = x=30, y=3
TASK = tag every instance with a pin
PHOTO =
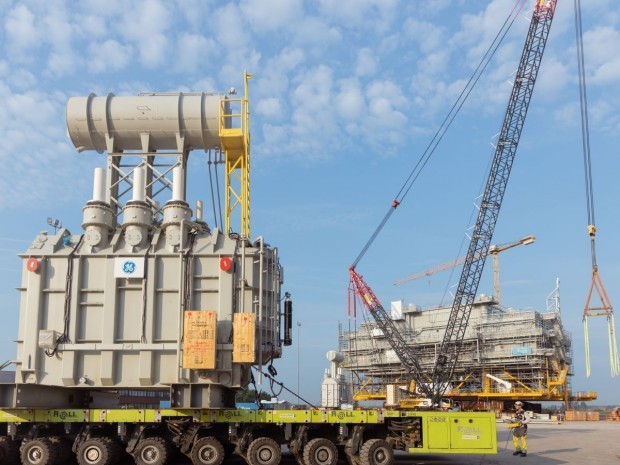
x=445, y=125
x=606, y=308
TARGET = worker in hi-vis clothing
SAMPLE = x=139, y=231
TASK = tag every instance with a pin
x=519, y=434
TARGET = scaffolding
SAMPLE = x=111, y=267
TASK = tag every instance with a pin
x=507, y=354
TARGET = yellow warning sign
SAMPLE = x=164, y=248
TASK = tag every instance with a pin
x=244, y=331
x=199, y=339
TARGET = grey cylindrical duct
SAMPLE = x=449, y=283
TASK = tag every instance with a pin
x=160, y=119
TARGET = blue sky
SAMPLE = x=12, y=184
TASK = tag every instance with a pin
x=345, y=97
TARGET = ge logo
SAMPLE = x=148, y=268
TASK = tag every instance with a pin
x=129, y=267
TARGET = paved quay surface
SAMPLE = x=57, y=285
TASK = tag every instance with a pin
x=574, y=443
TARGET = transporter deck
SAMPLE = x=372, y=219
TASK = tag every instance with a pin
x=208, y=436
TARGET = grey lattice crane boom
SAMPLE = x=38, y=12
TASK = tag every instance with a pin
x=497, y=181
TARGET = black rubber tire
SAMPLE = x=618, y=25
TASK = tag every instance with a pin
x=95, y=451
x=264, y=451
x=39, y=451
x=320, y=451
x=116, y=450
x=152, y=451
x=207, y=451
x=65, y=454
x=376, y=452
x=9, y=451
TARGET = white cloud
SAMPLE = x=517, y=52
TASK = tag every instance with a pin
x=315, y=31
x=32, y=128
x=271, y=15
x=196, y=13
x=314, y=89
x=385, y=100
x=272, y=78
x=428, y=36
x=193, y=51
x=206, y=84
x=375, y=15
x=604, y=66
x=108, y=8
x=366, y=63
x=109, y=56
x=21, y=31
x=90, y=26
x=479, y=30
x=350, y=101
x=145, y=26
x=21, y=79
x=311, y=126
x=604, y=115
x=553, y=78
x=270, y=108
x=230, y=29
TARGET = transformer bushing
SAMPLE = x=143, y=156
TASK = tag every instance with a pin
x=98, y=218
x=137, y=221
x=175, y=212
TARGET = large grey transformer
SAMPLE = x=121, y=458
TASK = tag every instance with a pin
x=147, y=296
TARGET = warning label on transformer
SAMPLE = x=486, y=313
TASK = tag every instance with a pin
x=199, y=339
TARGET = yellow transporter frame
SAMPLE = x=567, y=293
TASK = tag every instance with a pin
x=441, y=432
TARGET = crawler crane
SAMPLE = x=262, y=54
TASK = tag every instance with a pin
x=523, y=86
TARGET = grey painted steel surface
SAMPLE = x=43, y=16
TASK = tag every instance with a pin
x=145, y=122
x=127, y=332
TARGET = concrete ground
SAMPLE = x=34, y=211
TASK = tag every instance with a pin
x=574, y=443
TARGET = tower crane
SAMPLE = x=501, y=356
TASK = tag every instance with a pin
x=505, y=151
x=494, y=251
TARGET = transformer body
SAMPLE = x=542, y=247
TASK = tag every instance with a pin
x=148, y=297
